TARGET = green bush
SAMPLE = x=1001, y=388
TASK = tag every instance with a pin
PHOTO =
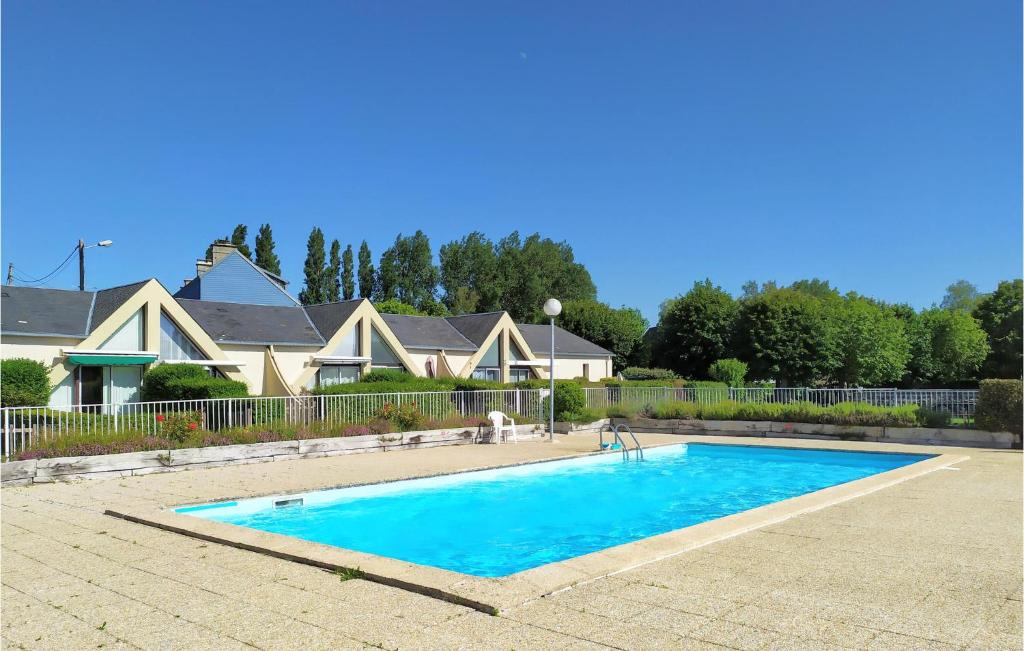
x=730, y=371
x=24, y=383
x=392, y=382
x=187, y=382
x=638, y=373
x=999, y=406
x=570, y=402
x=844, y=413
x=406, y=417
x=387, y=375
x=644, y=383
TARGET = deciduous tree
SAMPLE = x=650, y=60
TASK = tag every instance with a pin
x=1000, y=316
x=367, y=274
x=469, y=275
x=348, y=283
x=238, y=237
x=618, y=330
x=265, y=256
x=407, y=272
x=332, y=275
x=696, y=329
x=313, y=292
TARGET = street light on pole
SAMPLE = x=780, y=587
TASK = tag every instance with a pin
x=552, y=307
x=81, y=259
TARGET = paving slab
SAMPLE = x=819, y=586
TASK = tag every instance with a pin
x=932, y=562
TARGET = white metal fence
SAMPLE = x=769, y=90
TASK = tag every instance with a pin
x=24, y=427
x=958, y=403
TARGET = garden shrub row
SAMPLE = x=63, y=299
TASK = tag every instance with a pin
x=188, y=382
x=844, y=413
x=394, y=382
x=23, y=383
x=999, y=406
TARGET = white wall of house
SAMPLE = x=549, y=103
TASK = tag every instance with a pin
x=253, y=356
x=46, y=350
x=592, y=368
x=457, y=360
x=419, y=358
x=42, y=349
x=293, y=360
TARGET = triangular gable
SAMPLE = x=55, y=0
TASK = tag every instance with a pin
x=364, y=313
x=236, y=279
x=151, y=298
x=503, y=324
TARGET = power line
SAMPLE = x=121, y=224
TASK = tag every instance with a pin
x=43, y=279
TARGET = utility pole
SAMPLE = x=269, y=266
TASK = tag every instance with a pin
x=10, y=273
x=81, y=265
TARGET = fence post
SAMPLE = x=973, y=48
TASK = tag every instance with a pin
x=7, y=434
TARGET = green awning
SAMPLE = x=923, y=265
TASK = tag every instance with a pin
x=111, y=360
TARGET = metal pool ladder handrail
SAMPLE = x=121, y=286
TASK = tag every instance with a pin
x=618, y=439
x=625, y=452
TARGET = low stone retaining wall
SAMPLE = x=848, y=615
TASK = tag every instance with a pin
x=143, y=463
x=916, y=435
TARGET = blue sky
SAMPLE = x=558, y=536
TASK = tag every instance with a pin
x=875, y=144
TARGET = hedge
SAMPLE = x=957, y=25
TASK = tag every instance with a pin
x=999, y=406
x=23, y=383
x=570, y=403
x=844, y=413
x=638, y=373
x=188, y=382
x=394, y=382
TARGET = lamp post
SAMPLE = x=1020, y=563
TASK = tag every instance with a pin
x=552, y=307
x=81, y=260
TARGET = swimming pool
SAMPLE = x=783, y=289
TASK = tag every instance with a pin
x=494, y=523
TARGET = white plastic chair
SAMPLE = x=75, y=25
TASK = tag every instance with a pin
x=498, y=422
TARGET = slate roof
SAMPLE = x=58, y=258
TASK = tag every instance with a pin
x=328, y=317
x=42, y=311
x=475, y=327
x=61, y=312
x=108, y=300
x=566, y=343
x=252, y=324
x=427, y=332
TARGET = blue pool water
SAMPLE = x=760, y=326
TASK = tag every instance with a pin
x=497, y=522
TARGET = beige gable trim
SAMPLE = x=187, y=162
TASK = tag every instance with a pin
x=273, y=381
x=506, y=329
x=151, y=297
x=368, y=316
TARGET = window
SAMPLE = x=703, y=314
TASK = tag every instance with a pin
x=514, y=353
x=489, y=366
x=487, y=374
x=174, y=345
x=586, y=371
x=381, y=353
x=129, y=336
x=518, y=374
x=349, y=344
x=337, y=374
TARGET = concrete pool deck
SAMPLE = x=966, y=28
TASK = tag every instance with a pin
x=931, y=562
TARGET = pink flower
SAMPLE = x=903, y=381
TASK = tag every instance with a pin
x=193, y=426
x=160, y=418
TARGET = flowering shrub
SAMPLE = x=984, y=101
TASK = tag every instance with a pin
x=405, y=417
x=176, y=427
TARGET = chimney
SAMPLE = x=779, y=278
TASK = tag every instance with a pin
x=221, y=249
x=202, y=266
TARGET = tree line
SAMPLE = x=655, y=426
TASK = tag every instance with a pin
x=808, y=334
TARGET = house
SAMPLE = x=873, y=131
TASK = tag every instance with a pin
x=240, y=322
